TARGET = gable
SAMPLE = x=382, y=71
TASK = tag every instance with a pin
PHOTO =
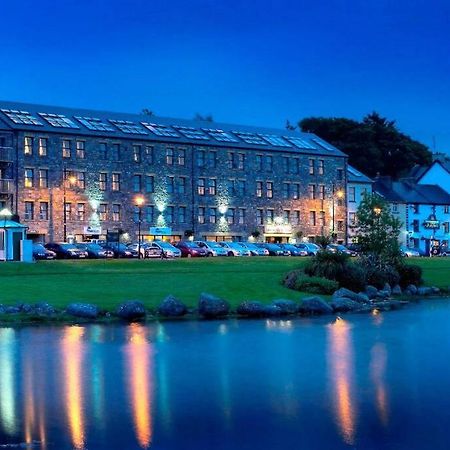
x=436, y=174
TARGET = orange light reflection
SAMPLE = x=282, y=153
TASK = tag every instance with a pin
x=377, y=371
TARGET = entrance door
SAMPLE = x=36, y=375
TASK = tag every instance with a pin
x=2, y=245
x=16, y=246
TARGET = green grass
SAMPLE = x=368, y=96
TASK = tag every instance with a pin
x=108, y=283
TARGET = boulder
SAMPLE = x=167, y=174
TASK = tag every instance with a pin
x=25, y=307
x=287, y=307
x=210, y=306
x=347, y=293
x=172, y=307
x=84, y=310
x=397, y=290
x=251, y=309
x=412, y=289
x=343, y=304
x=11, y=309
x=371, y=291
x=315, y=305
x=131, y=310
x=424, y=291
x=382, y=294
x=43, y=309
x=2, y=309
x=387, y=288
x=272, y=311
x=435, y=290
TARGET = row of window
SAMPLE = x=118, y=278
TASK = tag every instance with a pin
x=416, y=208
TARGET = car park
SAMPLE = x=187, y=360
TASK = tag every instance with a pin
x=41, y=253
x=95, y=251
x=339, y=248
x=120, y=250
x=65, y=250
x=168, y=250
x=190, y=249
x=309, y=247
x=294, y=251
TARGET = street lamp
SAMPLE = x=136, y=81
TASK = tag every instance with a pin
x=5, y=213
x=72, y=180
x=340, y=195
x=139, y=201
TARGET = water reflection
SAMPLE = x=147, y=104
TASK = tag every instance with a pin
x=377, y=370
x=340, y=356
x=7, y=388
x=72, y=349
x=139, y=354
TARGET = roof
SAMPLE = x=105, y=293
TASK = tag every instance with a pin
x=11, y=224
x=404, y=191
x=355, y=176
x=417, y=172
x=55, y=119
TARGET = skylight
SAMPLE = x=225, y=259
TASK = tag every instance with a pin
x=220, y=135
x=275, y=140
x=193, y=133
x=323, y=144
x=21, y=117
x=58, y=120
x=128, y=127
x=250, y=138
x=160, y=130
x=300, y=142
x=94, y=124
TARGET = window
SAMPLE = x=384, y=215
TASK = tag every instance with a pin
x=446, y=226
x=269, y=216
x=181, y=189
x=240, y=185
x=230, y=160
x=81, y=180
x=102, y=180
x=286, y=216
x=169, y=156
x=415, y=225
x=415, y=209
x=66, y=148
x=340, y=225
x=137, y=157
x=43, y=210
x=295, y=190
x=230, y=187
x=80, y=211
x=212, y=186
x=312, y=191
x=115, y=177
x=102, y=211
x=102, y=151
x=150, y=213
x=212, y=215
x=137, y=183
x=42, y=146
x=259, y=216
x=81, y=149
x=137, y=214
x=181, y=157
x=285, y=190
x=149, y=184
x=268, y=163
x=169, y=214
x=182, y=214
x=29, y=178
x=170, y=185
x=312, y=218
x=340, y=174
x=201, y=214
x=320, y=167
x=259, y=162
x=322, y=191
x=352, y=194
x=116, y=213
x=269, y=189
x=149, y=153
x=241, y=161
x=285, y=160
x=295, y=166
x=395, y=208
x=230, y=216
x=68, y=210
x=115, y=153
x=446, y=209
x=352, y=218
x=28, y=145
x=29, y=210
x=212, y=159
x=241, y=216
x=312, y=166
x=43, y=178
x=295, y=217
x=201, y=186
x=322, y=218
x=200, y=158
x=259, y=188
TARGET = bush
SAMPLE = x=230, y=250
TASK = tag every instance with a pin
x=410, y=274
x=353, y=278
x=299, y=281
x=327, y=265
x=379, y=276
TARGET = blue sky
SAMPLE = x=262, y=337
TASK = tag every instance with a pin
x=250, y=62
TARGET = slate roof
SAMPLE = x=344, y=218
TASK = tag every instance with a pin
x=79, y=122
x=409, y=192
x=355, y=176
x=417, y=172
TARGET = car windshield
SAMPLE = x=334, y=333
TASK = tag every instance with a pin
x=313, y=246
x=190, y=244
x=214, y=244
x=235, y=245
x=39, y=247
x=251, y=246
x=79, y=246
x=273, y=246
x=95, y=247
x=164, y=244
x=69, y=246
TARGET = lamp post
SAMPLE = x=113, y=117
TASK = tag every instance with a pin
x=72, y=180
x=139, y=201
x=340, y=195
x=5, y=212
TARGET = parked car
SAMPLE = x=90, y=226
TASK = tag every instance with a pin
x=309, y=247
x=64, y=250
x=409, y=252
x=40, y=252
x=147, y=250
x=120, y=250
x=274, y=249
x=168, y=250
x=234, y=249
x=294, y=251
x=190, y=249
x=444, y=250
x=339, y=248
x=95, y=251
x=255, y=250
x=212, y=248
x=354, y=248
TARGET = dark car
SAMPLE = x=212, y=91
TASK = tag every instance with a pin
x=64, y=250
x=190, y=249
x=309, y=247
x=120, y=250
x=40, y=252
x=95, y=251
x=274, y=249
x=339, y=248
x=295, y=251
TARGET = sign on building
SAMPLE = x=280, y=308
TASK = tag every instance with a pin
x=161, y=231
x=92, y=230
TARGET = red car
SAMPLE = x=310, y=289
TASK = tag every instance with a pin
x=190, y=249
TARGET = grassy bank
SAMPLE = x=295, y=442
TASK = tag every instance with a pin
x=108, y=283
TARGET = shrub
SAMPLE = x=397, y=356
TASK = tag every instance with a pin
x=316, y=285
x=410, y=274
x=379, y=276
x=353, y=277
x=328, y=265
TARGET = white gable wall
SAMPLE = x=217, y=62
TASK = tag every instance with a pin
x=436, y=174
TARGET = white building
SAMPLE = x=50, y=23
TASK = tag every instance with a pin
x=437, y=173
x=423, y=209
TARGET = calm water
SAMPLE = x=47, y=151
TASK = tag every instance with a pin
x=366, y=382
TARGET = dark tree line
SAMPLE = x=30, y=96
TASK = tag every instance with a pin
x=374, y=145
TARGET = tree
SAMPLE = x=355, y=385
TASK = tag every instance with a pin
x=374, y=145
x=206, y=118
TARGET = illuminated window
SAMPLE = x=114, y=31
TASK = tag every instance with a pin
x=81, y=180
x=212, y=186
x=321, y=191
x=116, y=212
x=81, y=211
x=149, y=153
x=42, y=146
x=352, y=218
x=241, y=161
x=103, y=211
x=68, y=210
x=201, y=186
x=81, y=149
x=102, y=181
x=169, y=156
x=230, y=216
x=352, y=194
x=29, y=178
x=259, y=188
x=270, y=215
x=322, y=218
x=269, y=189
x=340, y=225
x=181, y=157
x=312, y=166
x=66, y=148
x=115, y=178
x=320, y=167
x=260, y=216
x=43, y=178
x=201, y=214
x=295, y=217
x=137, y=158
x=212, y=215
x=312, y=191
x=241, y=216
x=28, y=145
x=295, y=191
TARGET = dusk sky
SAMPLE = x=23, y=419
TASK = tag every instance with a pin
x=249, y=62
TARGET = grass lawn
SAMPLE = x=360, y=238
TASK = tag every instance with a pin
x=108, y=283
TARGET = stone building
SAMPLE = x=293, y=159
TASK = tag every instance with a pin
x=77, y=173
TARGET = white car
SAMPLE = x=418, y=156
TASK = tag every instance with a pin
x=169, y=251
x=234, y=249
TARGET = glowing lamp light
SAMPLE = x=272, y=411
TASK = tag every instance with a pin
x=223, y=209
x=72, y=179
x=340, y=194
x=5, y=212
x=377, y=210
x=160, y=206
x=139, y=200
x=95, y=204
x=251, y=238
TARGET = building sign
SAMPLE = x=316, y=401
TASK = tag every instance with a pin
x=278, y=229
x=431, y=223
x=161, y=231
x=92, y=230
